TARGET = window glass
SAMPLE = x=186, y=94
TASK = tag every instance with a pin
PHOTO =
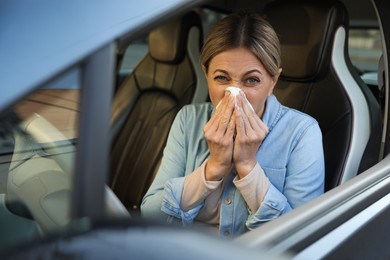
x=365, y=49
x=37, y=140
x=133, y=55
x=209, y=18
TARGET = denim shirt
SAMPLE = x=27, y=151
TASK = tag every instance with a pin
x=291, y=156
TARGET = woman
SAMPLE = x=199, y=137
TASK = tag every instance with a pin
x=244, y=163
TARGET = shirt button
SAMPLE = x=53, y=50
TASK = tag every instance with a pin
x=226, y=233
x=228, y=201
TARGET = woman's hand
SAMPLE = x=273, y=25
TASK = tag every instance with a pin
x=219, y=133
x=251, y=132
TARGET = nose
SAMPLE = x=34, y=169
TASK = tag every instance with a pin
x=236, y=83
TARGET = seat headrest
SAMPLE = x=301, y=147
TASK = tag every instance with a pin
x=168, y=43
x=306, y=31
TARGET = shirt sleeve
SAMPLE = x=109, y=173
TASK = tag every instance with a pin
x=253, y=187
x=304, y=179
x=197, y=188
x=185, y=198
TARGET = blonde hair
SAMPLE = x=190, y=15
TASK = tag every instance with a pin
x=244, y=30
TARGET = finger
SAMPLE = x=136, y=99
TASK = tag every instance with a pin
x=254, y=125
x=226, y=112
x=246, y=106
x=212, y=124
x=248, y=109
x=222, y=103
x=239, y=119
x=218, y=124
x=254, y=120
x=231, y=127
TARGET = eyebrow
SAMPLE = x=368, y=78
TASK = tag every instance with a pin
x=254, y=70
x=246, y=73
x=219, y=70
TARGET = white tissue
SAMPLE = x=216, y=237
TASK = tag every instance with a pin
x=234, y=91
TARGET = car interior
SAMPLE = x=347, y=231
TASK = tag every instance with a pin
x=318, y=78
x=147, y=102
x=312, y=81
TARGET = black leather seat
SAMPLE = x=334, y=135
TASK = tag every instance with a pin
x=147, y=102
x=319, y=79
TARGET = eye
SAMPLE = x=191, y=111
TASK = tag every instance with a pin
x=252, y=81
x=221, y=78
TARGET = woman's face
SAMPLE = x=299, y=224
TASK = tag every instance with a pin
x=240, y=68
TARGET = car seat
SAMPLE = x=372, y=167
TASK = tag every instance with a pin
x=147, y=102
x=319, y=79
